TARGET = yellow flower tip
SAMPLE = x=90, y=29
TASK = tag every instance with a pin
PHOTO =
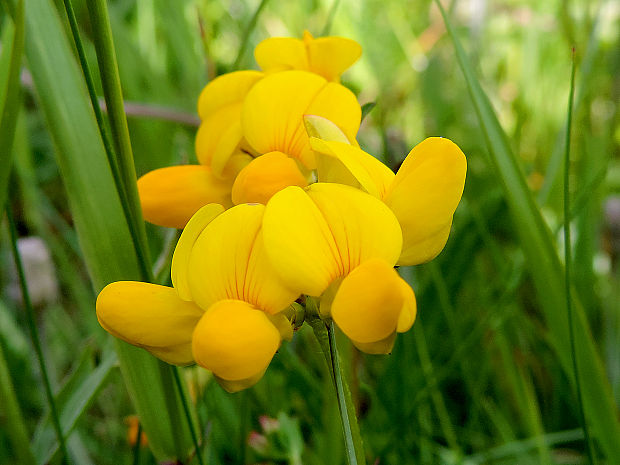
x=347, y=164
x=149, y=316
x=239, y=385
x=319, y=128
x=409, y=310
x=424, y=195
x=170, y=196
x=236, y=341
x=264, y=176
x=382, y=347
x=182, y=251
x=368, y=305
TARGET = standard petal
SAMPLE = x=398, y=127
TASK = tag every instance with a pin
x=299, y=243
x=228, y=261
x=345, y=164
x=369, y=301
x=264, y=176
x=170, y=196
x=182, y=251
x=331, y=56
x=225, y=90
x=281, y=53
x=424, y=196
x=361, y=225
x=235, y=341
x=272, y=112
x=149, y=316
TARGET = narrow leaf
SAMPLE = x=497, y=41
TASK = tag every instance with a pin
x=74, y=399
x=10, y=98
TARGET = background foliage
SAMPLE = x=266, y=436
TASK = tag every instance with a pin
x=481, y=378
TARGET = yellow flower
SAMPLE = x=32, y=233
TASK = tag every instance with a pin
x=225, y=309
x=423, y=194
x=327, y=56
x=339, y=243
x=246, y=115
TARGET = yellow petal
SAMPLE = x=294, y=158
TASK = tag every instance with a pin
x=409, y=310
x=149, y=316
x=361, y=225
x=218, y=136
x=281, y=53
x=344, y=164
x=265, y=176
x=228, y=261
x=299, y=243
x=369, y=301
x=170, y=196
x=384, y=346
x=314, y=238
x=234, y=340
x=339, y=105
x=227, y=146
x=331, y=56
x=424, y=196
x=180, y=258
x=272, y=112
x=225, y=90
x=325, y=56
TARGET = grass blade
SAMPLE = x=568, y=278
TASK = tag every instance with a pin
x=247, y=33
x=10, y=99
x=74, y=399
x=103, y=232
x=110, y=80
x=545, y=268
x=34, y=336
x=18, y=432
x=568, y=262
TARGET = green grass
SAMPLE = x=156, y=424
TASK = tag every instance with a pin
x=486, y=374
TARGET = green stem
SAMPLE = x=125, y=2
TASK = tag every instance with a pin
x=568, y=263
x=190, y=423
x=352, y=437
x=247, y=32
x=326, y=336
x=34, y=336
x=17, y=432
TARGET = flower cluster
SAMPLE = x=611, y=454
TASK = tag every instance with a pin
x=284, y=207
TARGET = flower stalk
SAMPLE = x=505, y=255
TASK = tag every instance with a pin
x=326, y=336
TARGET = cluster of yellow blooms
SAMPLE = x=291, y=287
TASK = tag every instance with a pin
x=284, y=204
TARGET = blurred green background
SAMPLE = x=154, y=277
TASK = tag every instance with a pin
x=478, y=380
